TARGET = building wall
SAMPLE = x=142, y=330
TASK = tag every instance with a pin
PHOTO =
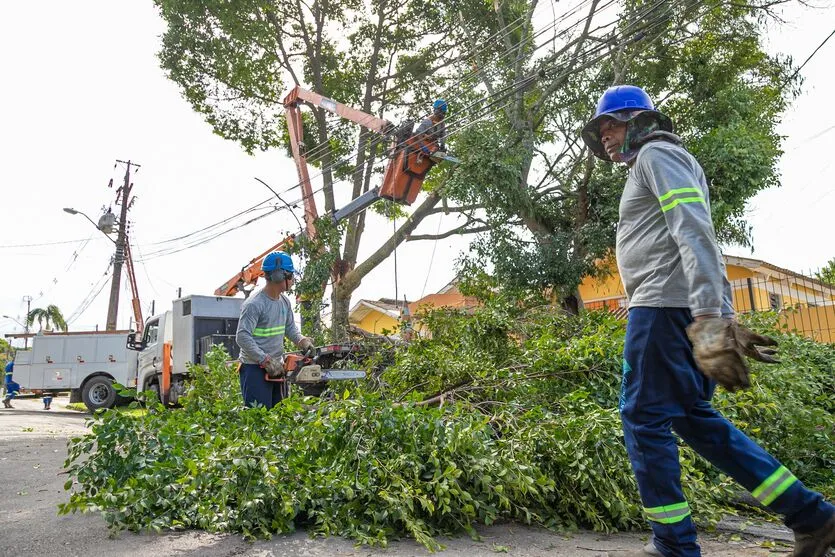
x=817, y=323
x=451, y=299
x=598, y=289
x=765, y=292
x=738, y=273
x=375, y=322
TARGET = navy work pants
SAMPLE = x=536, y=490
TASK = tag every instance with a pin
x=12, y=390
x=663, y=391
x=256, y=389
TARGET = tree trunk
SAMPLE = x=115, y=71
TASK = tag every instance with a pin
x=350, y=281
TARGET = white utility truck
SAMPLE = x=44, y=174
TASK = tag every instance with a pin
x=89, y=363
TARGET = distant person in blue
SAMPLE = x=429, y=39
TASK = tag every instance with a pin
x=12, y=388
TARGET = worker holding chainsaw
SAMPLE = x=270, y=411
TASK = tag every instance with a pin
x=681, y=335
x=266, y=318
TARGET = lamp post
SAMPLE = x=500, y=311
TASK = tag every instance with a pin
x=113, y=307
x=25, y=328
x=72, y=211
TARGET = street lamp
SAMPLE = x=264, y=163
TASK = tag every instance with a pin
x=25, y=328
x=72, y=211
x=106, y=224
x=15, y=320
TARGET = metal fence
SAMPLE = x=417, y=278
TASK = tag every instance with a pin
x=803, y=303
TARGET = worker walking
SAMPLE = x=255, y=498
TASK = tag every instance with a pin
x=266, y=318
x=681, y=336
x=12, y=388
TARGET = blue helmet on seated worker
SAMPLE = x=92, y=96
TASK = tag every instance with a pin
x=278, y=266
x=633, y=106
x=440, y=107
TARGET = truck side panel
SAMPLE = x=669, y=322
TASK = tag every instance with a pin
x=65, y=361
x=196, y=317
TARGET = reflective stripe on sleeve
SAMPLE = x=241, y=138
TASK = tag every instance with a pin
x=677, y=197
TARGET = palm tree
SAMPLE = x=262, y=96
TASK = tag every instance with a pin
x=50, y=315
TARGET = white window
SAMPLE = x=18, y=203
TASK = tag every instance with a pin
x=151, y=333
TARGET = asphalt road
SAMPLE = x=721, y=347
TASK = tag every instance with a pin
x=33, y=446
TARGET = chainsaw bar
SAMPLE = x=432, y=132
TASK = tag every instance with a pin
x=315, y=374
x=342, y=374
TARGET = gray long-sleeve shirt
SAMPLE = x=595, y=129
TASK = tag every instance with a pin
x=666, y=246
x=263, y=325
x=436, y=131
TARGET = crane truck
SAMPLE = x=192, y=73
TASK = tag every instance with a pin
x=156, y=356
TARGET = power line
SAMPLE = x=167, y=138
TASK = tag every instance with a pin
x=69, y=265
x=465, y=82
x=312, y=155
x=173, y=250
x=797, y=71
x=214, y=225
x=9, y=246
x=479, y=113
x=91, y=295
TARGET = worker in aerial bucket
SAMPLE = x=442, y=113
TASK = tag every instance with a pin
x=681, y=335
x=433, y=129
x=266, y=318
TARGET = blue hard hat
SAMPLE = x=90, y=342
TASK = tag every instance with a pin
x=624, y=103
x=441, y=105
x=278, y=260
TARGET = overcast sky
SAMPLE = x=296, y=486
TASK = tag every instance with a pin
x=82, y=87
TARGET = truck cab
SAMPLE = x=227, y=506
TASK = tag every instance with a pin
x=170, y=342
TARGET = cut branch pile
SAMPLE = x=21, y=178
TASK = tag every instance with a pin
x=501, y=415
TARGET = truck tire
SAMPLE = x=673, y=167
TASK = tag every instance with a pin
x=154, y=388
x=98, y=392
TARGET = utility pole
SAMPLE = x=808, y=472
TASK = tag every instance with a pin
x=123, y=197
x=28, y=300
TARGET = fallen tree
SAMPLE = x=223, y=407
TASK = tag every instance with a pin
x=503, y=414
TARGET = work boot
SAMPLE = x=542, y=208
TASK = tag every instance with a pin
x=817, y=543
x=649, y=550
x=7, y=403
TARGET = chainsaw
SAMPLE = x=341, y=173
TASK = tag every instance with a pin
x=305, y=370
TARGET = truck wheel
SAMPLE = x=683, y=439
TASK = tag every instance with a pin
x=154, y=388
x=98, y=392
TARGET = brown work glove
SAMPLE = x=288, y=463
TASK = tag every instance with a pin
x=719, y=346
x=274, y=368
x=307, y=348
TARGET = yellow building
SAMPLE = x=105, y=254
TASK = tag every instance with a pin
x=806, y=305
x=379, y=317
x=757, y=286
x=384, y=316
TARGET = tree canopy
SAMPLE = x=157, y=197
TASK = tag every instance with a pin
x=49, y=316
x=519, y=90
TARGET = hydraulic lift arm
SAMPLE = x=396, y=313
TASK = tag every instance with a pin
x=251, y=272
x=401, y=183
x=294, y=98
x=134, y=290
